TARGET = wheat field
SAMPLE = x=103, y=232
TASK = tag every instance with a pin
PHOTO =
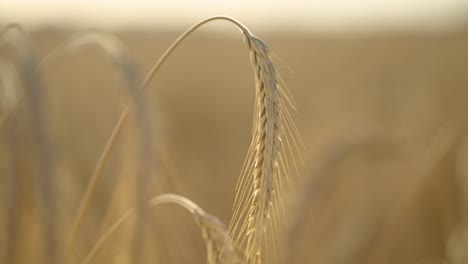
x=373, y=169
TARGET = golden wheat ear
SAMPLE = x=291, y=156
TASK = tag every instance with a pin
x=42, y=178
x=116, y=52
x=213, y=230
x=260, y=190
x=266, y=172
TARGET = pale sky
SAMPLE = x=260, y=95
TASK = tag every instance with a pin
x=300, y=14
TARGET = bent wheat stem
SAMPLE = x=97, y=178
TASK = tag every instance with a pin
x=213, y=230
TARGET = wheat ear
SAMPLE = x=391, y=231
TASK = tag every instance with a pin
x=116, y=52
x=266, y=170
x=213, y=230
x=265, y=151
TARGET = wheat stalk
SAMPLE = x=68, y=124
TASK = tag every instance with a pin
x=458, y=239
x=34, y=93
x=10, y=93
x=116, y=52
x=461, y=175
x=213, y=230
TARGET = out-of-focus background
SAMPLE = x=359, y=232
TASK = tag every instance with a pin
x=382, y=99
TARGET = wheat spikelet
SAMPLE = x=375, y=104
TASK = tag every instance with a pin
x=213, y=230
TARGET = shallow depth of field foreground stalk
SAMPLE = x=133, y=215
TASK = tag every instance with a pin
x=10, y=92
x=116, y=52
x=34, y=94
x=259, y=190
